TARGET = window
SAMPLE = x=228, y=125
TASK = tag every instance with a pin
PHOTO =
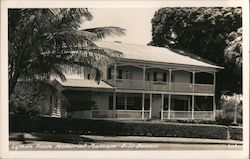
x=147, y=76
x=160, y=76
x=110, y=102
x=155, y=73
x=119, y=76
x=147, y=104
x=120, y=103
x=126, y=103
x=164, y=78
x=109, y=73
x=180, y=104
x=130, y=101
x=134, y=103
x=173, y=78
x=127, y=74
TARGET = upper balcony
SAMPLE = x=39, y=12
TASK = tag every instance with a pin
x=162, y=86
x=158, y=79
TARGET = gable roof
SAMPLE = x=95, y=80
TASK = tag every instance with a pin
x=153, y=54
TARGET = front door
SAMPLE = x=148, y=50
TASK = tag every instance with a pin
x=156, y=106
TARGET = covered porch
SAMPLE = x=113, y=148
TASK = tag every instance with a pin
x=120, y=105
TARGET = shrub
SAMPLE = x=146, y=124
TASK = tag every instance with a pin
x=32, y=99
x=236, y=133
x=108, y=127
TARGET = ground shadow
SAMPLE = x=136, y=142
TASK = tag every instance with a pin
x=53, y=137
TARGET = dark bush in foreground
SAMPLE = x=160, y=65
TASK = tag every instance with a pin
x=108, y=127
x=236, y=133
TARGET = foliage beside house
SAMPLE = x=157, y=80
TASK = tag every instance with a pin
x=33, y=99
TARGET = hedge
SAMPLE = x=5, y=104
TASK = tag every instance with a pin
x=111, y=127
x=236, y=133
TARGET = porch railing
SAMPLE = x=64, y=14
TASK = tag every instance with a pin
x=122, y=114
x=207, y=115
x=129, y=114
x=203, y=114
x=102, y=113
x=137, y=114
x=162, y=86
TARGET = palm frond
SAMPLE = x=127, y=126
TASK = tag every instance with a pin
x=103, y=32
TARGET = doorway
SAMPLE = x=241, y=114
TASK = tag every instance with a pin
x=156, y=106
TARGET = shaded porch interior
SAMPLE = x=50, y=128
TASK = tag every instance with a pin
x=91, y=104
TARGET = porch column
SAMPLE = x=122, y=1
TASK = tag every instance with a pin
x=214, y=108
x=150, y=106
x=143, y=77
x=214, y=103
x=193, y=80
x=114, y=104
x=52, y=104
x=169, y=78
x=125, y=102
x=115, y=72
x=162, y=105
x=192, y=106
x=214, y=81
x=188, y=104
x=169, y=105
x=143, y=103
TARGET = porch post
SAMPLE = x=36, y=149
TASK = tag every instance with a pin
x=214, y=81
x=52, y=104
x=114, y=104
x=189, y=107
x=143, y=77
x=143, y=103
x=125, y=102
x=193, y=80
x=162, y=105
x=214, y=103
x=214, y=108
x=150, y=106
x=169, y=105
x=192, y=106
x=169, y=78
x=115, y=72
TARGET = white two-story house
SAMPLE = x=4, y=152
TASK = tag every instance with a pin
x=146, y=83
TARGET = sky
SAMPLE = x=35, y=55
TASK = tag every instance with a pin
x=136, y=21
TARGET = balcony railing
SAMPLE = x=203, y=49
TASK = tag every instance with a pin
x=162, y=86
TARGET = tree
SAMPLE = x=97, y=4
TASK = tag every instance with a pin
x=45, y=42
x=205, y=32
x=227, y=114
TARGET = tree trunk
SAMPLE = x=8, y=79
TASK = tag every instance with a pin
x=12, y=83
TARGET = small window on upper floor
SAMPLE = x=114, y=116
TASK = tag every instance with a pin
x=109, y=73
x=128, y=74
x=119, y=76
x=160, y=76
x=147, y=76
x=172, y=77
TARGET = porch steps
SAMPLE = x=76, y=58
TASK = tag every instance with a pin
x=56, y=112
